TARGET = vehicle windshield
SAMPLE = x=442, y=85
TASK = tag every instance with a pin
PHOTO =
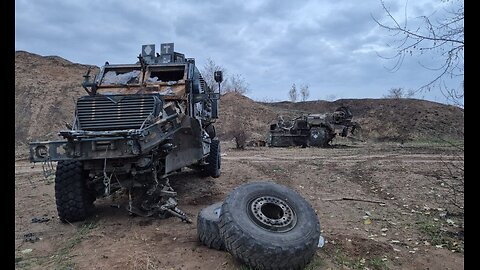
x=121, y=76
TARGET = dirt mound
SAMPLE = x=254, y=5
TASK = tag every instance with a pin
x=237, y=111
x=46, y=88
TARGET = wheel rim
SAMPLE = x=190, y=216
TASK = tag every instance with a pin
x=272, y=214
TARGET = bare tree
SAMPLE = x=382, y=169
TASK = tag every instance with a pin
x=237, y=84
x=399, y=92
x=442, y=37
x=304, y=92
x=207, y=72
x=293, y=93
x=395, y=93
x=237, y=131
x=410, y=93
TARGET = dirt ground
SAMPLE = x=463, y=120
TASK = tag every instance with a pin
x=407, y=227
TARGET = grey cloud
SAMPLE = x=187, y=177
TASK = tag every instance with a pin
x=330, y=46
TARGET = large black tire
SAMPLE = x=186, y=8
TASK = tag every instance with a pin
x=207, y=226
x=269, y=226
x=74, y=202
x=319, y=137
x=214, y=160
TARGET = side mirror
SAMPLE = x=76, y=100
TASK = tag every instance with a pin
x=218, y=75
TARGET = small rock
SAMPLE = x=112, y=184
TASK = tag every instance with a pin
x=384, y=229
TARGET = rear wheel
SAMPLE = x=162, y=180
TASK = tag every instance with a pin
x=319, y=136
x=73, y=199
x=214, y=160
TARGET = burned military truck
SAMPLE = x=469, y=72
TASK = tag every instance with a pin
x=139, y=124
x=313, y=129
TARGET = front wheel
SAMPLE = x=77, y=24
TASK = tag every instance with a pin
x=73, y=200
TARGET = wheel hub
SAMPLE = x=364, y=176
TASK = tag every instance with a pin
x=272, y=214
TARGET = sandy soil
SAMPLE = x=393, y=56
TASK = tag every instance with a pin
x=408, y=228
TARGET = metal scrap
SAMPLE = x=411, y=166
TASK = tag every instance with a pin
x=30, y=237
x=40, y=219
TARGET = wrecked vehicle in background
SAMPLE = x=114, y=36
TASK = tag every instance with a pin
x=313, y=129
x=138, y=124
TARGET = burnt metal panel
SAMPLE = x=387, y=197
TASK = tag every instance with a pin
x=188, y=146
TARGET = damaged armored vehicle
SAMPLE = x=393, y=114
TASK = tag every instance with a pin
x=139, y=124
x=313, y=129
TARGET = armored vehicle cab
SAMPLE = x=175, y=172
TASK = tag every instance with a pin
x=138, y=124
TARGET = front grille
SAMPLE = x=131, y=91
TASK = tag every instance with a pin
x=114, y=112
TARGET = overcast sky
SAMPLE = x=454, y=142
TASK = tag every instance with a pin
x=332, y=46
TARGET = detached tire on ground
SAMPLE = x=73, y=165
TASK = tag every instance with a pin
x=207, y=226
x=74, y=203
x=269, y=226
x=214, y=160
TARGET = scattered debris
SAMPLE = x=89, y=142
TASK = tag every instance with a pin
x=40, y=219
x=257, y=143
x=353, y=199
x=321, y=242
x=30, y=237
